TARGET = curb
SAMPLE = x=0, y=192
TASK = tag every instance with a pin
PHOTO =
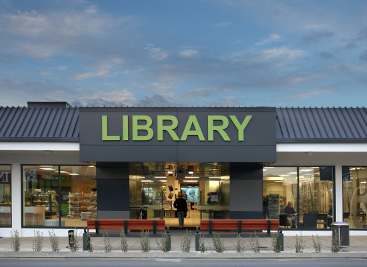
x=180, y=255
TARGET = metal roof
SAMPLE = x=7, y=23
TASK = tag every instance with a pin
x=294, y=125
x=321, y=125
x=39, y=124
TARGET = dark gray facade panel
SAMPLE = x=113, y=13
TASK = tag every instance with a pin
x=112, y=188
x=258, y=146
x=246, y=189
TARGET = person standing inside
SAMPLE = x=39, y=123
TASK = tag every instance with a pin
x=181, y=209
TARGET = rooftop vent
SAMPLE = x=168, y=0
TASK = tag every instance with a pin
x=55, y=104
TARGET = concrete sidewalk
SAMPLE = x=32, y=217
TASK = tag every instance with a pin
x=358, y=248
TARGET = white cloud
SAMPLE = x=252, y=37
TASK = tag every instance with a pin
x=281, y=53
x=45, y=34
x=273, y=37
x=103, y=70
x=311, y=93
x=121, y=97
x=156, y=53
x=188, y=53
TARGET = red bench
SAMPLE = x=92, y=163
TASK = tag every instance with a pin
x=237, y=225
x=127, y=225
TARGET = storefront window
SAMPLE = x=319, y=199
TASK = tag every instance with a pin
x=5, y=196
x=301, y=197
x=316, y=197
x=155, y=186
x=355, y=196
x=55, y=196
x=78, y=197
x=280, y=195
x=40, y=184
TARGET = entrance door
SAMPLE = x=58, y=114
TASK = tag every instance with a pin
x=155, y=186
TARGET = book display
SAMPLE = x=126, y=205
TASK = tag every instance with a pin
x=82, y=205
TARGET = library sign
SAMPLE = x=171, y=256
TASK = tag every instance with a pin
x=177, y=134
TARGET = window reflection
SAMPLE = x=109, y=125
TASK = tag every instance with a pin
x=355, y=196
x=5, y=196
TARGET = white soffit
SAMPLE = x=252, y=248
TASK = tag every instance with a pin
x=39, y=146
x=321, y=147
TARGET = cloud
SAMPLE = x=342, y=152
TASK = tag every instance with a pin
x=311, y=93
x=326, y=55
x=273, y=37
x=155, y=100
x=318, y=35
x=156, y=53
x=188, y=53
x=114, y=98
x=281, y=53
x=57, y=32
x=223, y=24
x=103, y=70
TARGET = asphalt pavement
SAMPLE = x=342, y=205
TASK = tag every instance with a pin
x=181, y=262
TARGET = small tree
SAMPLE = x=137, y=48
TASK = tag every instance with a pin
x=254, y=243
x=107, y=243
x=316, y=243
x=37, y=243
x=186, y=242
x=123, y=242
x=54, y=242
x=299, y=244
x=239, y=243
x=15, y=241
x=164, y=243
x=218, y=243
x=145, y=242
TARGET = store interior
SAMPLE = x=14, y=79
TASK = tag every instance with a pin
x=154, y=188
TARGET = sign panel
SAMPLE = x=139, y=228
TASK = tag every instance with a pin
x=177, y=134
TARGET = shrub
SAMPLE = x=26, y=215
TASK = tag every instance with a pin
x=75, y=246
x=202, y=246
x=276, y=243
x=54, y=242
x=299, y=244
x=123, y=242
x=107, y=243
x=316, y=243
x=239, y=244
x=164, y=243
x=37, y=243
x=186, y=242
x=254, y=243
x=335, y=248
x=15, y=241
x=218, y=243
x=145, y=242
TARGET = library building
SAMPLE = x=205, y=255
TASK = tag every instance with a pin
x=61, y=166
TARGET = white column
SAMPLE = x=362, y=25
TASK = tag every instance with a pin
x=16, y=195
x=338, y=193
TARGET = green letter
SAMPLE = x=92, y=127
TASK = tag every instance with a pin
x=192, y=121
x=220, y=129
x=142, y=127
x=241, y=126
x=105, y=136
x=170, y=129
x=125, y=127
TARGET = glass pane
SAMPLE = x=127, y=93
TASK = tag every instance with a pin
x=316, y=197
x=78, y=195
x=355, y=196
x=154, y=187
x=40, y=184
x=280, y=195
x=5, y=196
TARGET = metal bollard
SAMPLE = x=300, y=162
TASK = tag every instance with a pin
x=86, y=240
x=168, y=241
x=197, y=241
x=280, y=240
x=71, y=237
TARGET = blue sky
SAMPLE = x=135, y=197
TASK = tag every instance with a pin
x=186, y=53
